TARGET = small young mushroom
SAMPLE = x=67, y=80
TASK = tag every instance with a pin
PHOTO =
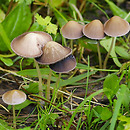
x=52, y=53
x=65, y=65
x=72, y=30
x=13, y=98
x=115, y=27
x=29, y=44
x=95, y=30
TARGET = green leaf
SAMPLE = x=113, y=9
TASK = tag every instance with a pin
x=23, y=105
x=111, y=86
x=101, y=112
x=123, y=52
x=16, y=23
x=7, y=61
x=2, y=15
x=43, y=21
x=126, y=97
x=4, y=125
x=55, y=3
x=32, y=88
x=52, y=28
x=33, y=72
x=117, y=11
x=105, y=116
x=106, y=43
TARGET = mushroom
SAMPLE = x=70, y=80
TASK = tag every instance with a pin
x=52, y=53
x=65, y=65
x=72, y=30
x=115, y=27
x=30, y=45
x=13, y=98
x=95, y=30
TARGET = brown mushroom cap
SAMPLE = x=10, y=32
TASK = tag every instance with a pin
x=14, y=97
x=94, y=30
x=72, y=30
x=52, y=53
x=116, y=27
x=29, y=44
x=65, y=65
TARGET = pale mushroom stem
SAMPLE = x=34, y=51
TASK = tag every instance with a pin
x=48, y=85
x=14, y=118
x=99, y=56
x=71, y=43
x=40, y=78
x=106, y=59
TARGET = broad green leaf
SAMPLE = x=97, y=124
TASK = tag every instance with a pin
x=23, y=105
x=32, y=88
x=111, y=86
x=2, y=15
x=126, y=97
x=123, y=52
x=117, y=11
x=105, y=116
x=106, y=43
x=102, y=112
x=4, y=125
x=55, y=3
x=16, y=23
x=7, y=61
x=33, y=72
x=36, y=27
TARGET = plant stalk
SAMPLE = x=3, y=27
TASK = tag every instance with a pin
x=99, y=56
x=40, y=78
x=14, y=117
x=106, y=59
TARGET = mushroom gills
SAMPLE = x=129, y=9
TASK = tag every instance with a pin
x=65, y=65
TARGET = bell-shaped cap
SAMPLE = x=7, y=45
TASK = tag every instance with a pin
x=65, y=65
x=14, y=97
x=72, y=30
x=52, y=53
x=116, y=27
x=29, y=44
x=94, y=30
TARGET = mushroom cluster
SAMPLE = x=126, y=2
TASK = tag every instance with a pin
x=113, y=27
x=39, y=45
